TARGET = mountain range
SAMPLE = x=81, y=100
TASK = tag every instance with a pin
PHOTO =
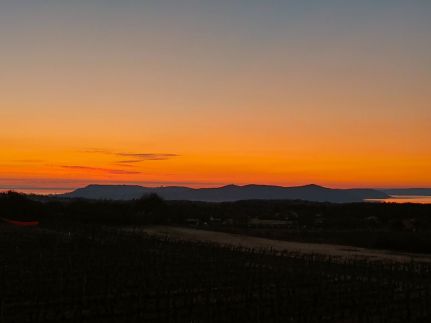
x=407, y=191
x=228, y=193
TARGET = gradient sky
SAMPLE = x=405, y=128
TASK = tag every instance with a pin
x=212, y=92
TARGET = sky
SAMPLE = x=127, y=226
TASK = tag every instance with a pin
x=213, y=92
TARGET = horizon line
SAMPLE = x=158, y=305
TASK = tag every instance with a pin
x=184, y=184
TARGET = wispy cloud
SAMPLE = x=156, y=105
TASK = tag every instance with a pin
x=100, y=170
x=128, y=162
x=133, y=157
x=146, y=156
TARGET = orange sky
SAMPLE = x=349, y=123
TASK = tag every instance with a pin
x=207, y=95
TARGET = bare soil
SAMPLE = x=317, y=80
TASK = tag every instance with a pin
x=334, y=250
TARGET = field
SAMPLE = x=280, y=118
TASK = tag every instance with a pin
x=149, y=260
x=87, y=273
x=245, y=241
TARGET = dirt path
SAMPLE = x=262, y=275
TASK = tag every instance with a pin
x=302, y=247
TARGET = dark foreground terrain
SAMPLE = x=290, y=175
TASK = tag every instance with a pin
x=97, y=261
x=391, y=226
x=104, y=275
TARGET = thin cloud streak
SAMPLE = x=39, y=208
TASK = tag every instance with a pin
x=101, y=170
x=137, y=157
x=148, y=156
x=129, y=161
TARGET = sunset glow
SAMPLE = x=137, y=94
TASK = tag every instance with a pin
x=205, y=94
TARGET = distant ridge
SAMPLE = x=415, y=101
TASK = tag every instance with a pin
x=407, y=191
x=226, y=193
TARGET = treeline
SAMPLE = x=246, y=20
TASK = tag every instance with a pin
x=404, y=227
x=151, y=209
x=20, y=207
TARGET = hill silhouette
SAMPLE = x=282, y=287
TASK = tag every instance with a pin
x=228, y=193
x=408, y=191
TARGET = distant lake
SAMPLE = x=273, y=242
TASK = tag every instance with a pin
x=404, y=199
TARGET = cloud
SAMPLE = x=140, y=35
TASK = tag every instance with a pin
x=133, y=157
x=129, y=161
x=100, y=170
x=147, y=156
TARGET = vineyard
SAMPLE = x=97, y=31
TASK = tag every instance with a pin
x=104, y=275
